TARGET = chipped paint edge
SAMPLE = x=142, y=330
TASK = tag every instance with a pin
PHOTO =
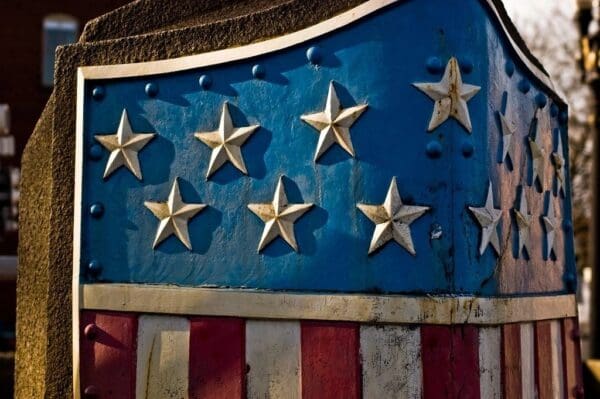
x=283, y=42
x=444, y=310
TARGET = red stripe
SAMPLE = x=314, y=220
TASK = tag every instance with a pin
x=450, y=356
x=217, y=358
x=511, y=361
x=572, y=359
x=543, y=359
x=108, y=354
x=330, y=360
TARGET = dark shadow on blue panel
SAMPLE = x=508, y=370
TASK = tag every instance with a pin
x=156, y=160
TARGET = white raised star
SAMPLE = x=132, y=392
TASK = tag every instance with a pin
x=508, y=131
x=392, y=220
x=334, y=123
x=523, y=219
x=124, y=146
x=279, y=217
x=538, y=153
x=450, y=96
x=559, y=166
x=226, y=143
x=488, y=218
x=174, y=216
x=550, y=228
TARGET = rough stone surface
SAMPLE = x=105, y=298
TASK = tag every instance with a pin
x=141, y=31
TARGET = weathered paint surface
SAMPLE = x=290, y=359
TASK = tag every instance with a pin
x=330, y=360
x=571, y=358
x=217, y=358
x=365, y=71
x=109, y=350
x=391, y=362
x=527, y=361
x=490, y=372
x=511, y=361
x=163, y=357
x=558, y=367
x=543, y=360
x=273, y=357
x=450, y=358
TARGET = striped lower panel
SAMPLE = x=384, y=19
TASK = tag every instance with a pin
x=146, y=356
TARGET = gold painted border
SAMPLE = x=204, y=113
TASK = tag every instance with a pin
x=400, y=309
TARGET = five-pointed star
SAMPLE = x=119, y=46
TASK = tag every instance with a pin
x=549, y=228
x=559, y=166
x=124, y=147
x=523, y=219
x=174, y=216
x=538, y=153
x=488, y=218
x=508, y=131
x=334, y=123
x=226, y=143
x=392, y=220
x=279, y=217
x=450, y=96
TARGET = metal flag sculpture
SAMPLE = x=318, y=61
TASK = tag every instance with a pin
x=456, y=284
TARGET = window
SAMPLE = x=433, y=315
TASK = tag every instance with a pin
x=58, y=29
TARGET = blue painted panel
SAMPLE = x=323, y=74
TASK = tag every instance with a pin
x=374, y=61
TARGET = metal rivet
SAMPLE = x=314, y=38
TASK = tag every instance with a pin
x=205, y=82
x=554, y=110
x=95, y=267
x=563, y=117
x=98, y=93
x=467, y=149
x=96, y=152
x=90, y=331
x=97, y=210
x=91, y=392
x=524, y=86
x=151, y=89
x=433, y=149
x=258, y=71
x=466, y=65
x=434, y=65
x=509, y=68
x=314, y=55
x=541, y=100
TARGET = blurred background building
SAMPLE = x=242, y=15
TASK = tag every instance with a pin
x=29, y=34
x=563, y=34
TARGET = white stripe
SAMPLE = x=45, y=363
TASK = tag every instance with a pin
x=528, y=361
x=490, y=376
x=273, y=354
x=558, y=383
x=391, y=361
x=392, y=309
x=162, y=357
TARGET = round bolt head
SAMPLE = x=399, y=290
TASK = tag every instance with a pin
x=98, y=93
x=91, y=392
x=151, y=89
x=509, y=68
x=541, y=100
x=433, y=149
x=524, y=86
x=95, y=267
x=466, y=65
x=96, y=152
x=97, y=210
x=434, y=65
x=314, y=55
x=258, y=71
x=90, y=331
x=467, y=149
x=205, y=82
